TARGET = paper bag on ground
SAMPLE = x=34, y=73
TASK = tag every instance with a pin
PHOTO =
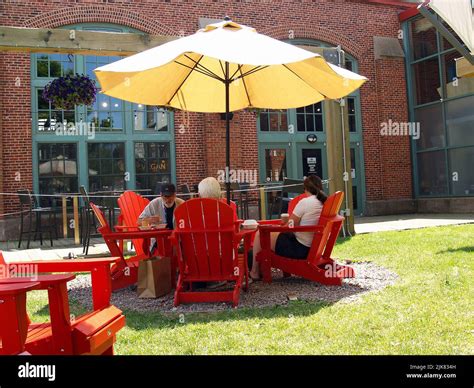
x=154, y=277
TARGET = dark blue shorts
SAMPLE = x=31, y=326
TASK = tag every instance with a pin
x=288, y=246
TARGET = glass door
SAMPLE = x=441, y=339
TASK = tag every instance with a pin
x=275, y=163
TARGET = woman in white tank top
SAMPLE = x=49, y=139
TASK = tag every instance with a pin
x=295, y=245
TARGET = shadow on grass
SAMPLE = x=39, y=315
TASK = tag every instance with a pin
x=262, y=301
x=75, y=309
x=454, y=250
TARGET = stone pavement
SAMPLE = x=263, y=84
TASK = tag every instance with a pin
x=63, y=247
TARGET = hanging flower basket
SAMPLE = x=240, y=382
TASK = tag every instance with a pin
x=70, y=90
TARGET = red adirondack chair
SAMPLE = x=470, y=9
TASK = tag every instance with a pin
x=207, y=246
x=125, y=273
x=3, y=268
x=91, y=333
x=318, y=266
x=131, y=206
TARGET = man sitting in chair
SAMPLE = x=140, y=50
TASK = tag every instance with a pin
x=161, y=209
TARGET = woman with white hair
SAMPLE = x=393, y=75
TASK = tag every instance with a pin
x=210, y=188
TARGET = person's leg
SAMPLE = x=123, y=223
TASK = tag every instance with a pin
x=257, y=247
x=255, y=272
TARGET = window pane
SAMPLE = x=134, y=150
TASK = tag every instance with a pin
x=263, y=121
x=54, y=69
x=42, y=68
x=348, y=65
x=42, y=103
x=273, y=120
x=310, y=122
x=460, y=121
x=152, y=164
x=426, y=76
x=351, y=112
x=432, y=174
x=461, y=162
x=275, y=165
x=106, y=166
x=318, y=122
x=309, y=118
x=423, y=38
x=352, y=124
x=57, y=170
x=431, y=127
x=300, y=122
x=455, y=86
x=150, y=118
x=68, y=68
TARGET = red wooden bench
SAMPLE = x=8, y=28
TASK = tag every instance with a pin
x=91, y=333
x=207, y=243
x=319, y=266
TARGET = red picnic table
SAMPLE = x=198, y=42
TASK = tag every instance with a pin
x=99, y=269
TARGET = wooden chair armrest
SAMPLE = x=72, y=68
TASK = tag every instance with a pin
x=281, y=229
x=125, y=228
x=270, y=222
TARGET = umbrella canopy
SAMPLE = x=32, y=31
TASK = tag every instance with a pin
x=226, y=67
x=189, y=73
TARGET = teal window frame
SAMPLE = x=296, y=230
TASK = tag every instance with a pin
x=128, y=135
x=412, y=106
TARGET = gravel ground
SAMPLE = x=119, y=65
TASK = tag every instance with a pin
x=369, y=278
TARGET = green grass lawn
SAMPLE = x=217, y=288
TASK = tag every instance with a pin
x=428, y=311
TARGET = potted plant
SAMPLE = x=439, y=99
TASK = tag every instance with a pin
x=70, y=90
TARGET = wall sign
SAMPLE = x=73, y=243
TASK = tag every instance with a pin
x=312, y=162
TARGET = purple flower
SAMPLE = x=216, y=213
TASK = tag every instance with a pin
x=68, y=91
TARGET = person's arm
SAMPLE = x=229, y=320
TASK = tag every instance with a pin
x=149, y=210
x=294, y=220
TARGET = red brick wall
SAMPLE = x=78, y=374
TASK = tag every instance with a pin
x=200, y=148
x=16, y=125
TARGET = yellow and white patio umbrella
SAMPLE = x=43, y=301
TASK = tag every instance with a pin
x=225, y=67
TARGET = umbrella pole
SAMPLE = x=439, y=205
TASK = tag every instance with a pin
x=227, y=133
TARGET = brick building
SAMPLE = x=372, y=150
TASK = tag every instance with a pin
x=134, y=145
